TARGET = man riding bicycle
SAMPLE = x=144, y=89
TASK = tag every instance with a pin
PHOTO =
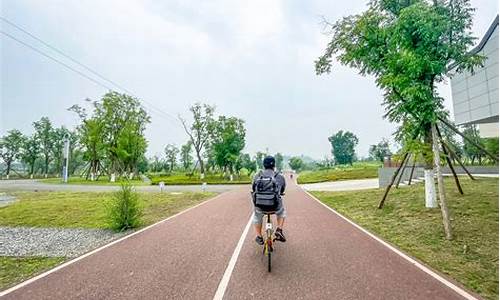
x=279, y=180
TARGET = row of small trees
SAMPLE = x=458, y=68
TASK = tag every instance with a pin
x=40, y=152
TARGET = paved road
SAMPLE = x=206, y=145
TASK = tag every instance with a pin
x=32, y=185
x=185, y=257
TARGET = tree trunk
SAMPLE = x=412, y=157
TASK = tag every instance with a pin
x=430, y=188
x=442, y=196
x=8, y=162
x=202, y=167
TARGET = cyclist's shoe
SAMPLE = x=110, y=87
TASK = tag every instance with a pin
x=279, y=236
x=259, y=240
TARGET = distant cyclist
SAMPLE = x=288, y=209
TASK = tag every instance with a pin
x=278, y=180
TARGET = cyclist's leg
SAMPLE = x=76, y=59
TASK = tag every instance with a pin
x=281, y=216
x=257, y=221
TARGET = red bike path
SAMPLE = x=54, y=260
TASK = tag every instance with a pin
x=185, y=257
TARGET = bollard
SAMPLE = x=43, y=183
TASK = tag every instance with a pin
x=204, y=186
x=162, y=185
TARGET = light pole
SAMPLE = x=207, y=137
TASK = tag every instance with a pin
x=66, y=159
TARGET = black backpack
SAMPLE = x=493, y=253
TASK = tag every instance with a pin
x=266, y=194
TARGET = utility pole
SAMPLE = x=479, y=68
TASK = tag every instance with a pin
x=66, y=159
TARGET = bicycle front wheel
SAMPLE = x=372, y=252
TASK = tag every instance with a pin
x=269, y=261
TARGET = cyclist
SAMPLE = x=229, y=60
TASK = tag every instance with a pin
x=269, y=165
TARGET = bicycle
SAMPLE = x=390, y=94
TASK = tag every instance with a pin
x=268, y=243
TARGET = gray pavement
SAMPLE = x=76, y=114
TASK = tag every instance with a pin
x=343, y=185
x=34, y=185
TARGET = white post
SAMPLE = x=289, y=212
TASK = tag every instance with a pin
x=161, y=185
x=203, y=186
x=430, y=189
x=65, y=160
x=113, y=177
x=231, y=177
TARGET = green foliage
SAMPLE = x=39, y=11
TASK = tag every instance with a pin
x=248, y=163
x=380, y=151
x=30, y=152
x=186, y=158
x=44, y=132
x=17, y=269
x=296, y=163
x=183, y=179
x=201, y=129
x=343, y=144
x=347, y=172
x=491, y=145
x=124, y=210
x=471, y=258
x=171, y=152
x=227, y=141
x=407, y=46
x=10, y=147
x=472, y=153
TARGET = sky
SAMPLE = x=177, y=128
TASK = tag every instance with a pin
x=251, y=59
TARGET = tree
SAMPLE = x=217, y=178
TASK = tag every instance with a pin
x=171, y=152
x=124, y=122
x=248, y=163
x=259, y=158
x=58, y=137
x=30, y=152
x=186, y=158
x=200, y=130
x=44, y=132
x=10, y=148
x=380, y=151
x=491, y=145
x=472, y=152
x=228, y=139
x=343, y=144
x=407, y=46
x=279, y=161
x=296, y=163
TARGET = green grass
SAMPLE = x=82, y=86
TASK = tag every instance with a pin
x=17, y=269
x=357, y=171
x=183, y=179
x=103, y=180
x=471, y=257
x=87, y=209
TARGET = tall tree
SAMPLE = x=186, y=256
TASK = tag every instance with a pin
x=45, y=135
x=407, y=46
x=248, y=163
x=380, y=150
x=10, y=148
x=124, y=122
x=171, y=152
x=30, y=152
x=200, y=130
x=228, y=139
x=186, y=158
x=259, y=158
x=343, y=147
x=296, y=163
x=58, y=137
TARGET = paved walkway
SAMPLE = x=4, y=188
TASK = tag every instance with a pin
x=187, y=257
x=33, y=184
x=343, y=185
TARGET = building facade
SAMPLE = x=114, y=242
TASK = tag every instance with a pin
x=475, y=95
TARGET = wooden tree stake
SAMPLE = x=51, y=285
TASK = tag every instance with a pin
x=388, y=188
x=441, y=192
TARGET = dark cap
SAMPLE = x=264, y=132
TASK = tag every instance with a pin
x=269, y=162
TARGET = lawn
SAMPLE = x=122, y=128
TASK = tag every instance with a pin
x=87, y=209
x=471, y=257
x=183, y=179
x=17, y=269
x=356, y=171
x=103, y=180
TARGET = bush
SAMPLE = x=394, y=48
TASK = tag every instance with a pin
x=124, y=210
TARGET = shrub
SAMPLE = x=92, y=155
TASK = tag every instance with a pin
x=124, y=210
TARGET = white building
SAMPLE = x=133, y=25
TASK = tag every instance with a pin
x=475, y=96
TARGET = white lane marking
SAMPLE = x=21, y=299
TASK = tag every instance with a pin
x=24, y=283
x=221, y=289
x=447, y=283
